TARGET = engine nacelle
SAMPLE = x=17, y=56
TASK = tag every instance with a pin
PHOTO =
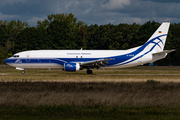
x=71, y=67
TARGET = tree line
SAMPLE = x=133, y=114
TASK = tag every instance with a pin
x=65, y=31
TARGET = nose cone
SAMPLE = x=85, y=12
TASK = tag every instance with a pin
x=7, y=61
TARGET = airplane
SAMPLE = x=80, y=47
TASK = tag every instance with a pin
x=75, y=60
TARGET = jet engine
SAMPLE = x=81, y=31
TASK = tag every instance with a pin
x=71, y=67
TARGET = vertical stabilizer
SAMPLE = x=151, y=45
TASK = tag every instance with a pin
x=158, y=39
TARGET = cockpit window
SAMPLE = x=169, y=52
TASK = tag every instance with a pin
x=15, y=56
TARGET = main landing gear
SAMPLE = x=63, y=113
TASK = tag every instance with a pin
x=89, y=71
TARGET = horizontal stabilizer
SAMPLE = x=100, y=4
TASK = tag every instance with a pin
x=165, y=51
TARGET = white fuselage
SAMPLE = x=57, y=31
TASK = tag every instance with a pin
x=56, y=58
x=74, y=60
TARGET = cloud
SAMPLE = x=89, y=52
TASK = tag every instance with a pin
x=34, y=20
x=115, y=4
x=117, y=11
x=163, y=1
x=6, y=17
x=4, y=2
x=152, y=9
x=92, y=11
x=75, y=6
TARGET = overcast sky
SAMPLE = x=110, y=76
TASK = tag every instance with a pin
x=93, y=11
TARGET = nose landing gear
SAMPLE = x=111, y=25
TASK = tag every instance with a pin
x=22, y=71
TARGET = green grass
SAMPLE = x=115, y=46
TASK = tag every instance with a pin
x=133, y=70
x=139, y=74
x=97, y=96
x=88, y=112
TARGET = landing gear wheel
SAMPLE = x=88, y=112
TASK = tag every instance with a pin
x=89, y=71
x=22, y=71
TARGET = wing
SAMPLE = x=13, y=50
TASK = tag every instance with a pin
x=95, y=63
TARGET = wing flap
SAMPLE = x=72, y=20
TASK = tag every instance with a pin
x=95, y=63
